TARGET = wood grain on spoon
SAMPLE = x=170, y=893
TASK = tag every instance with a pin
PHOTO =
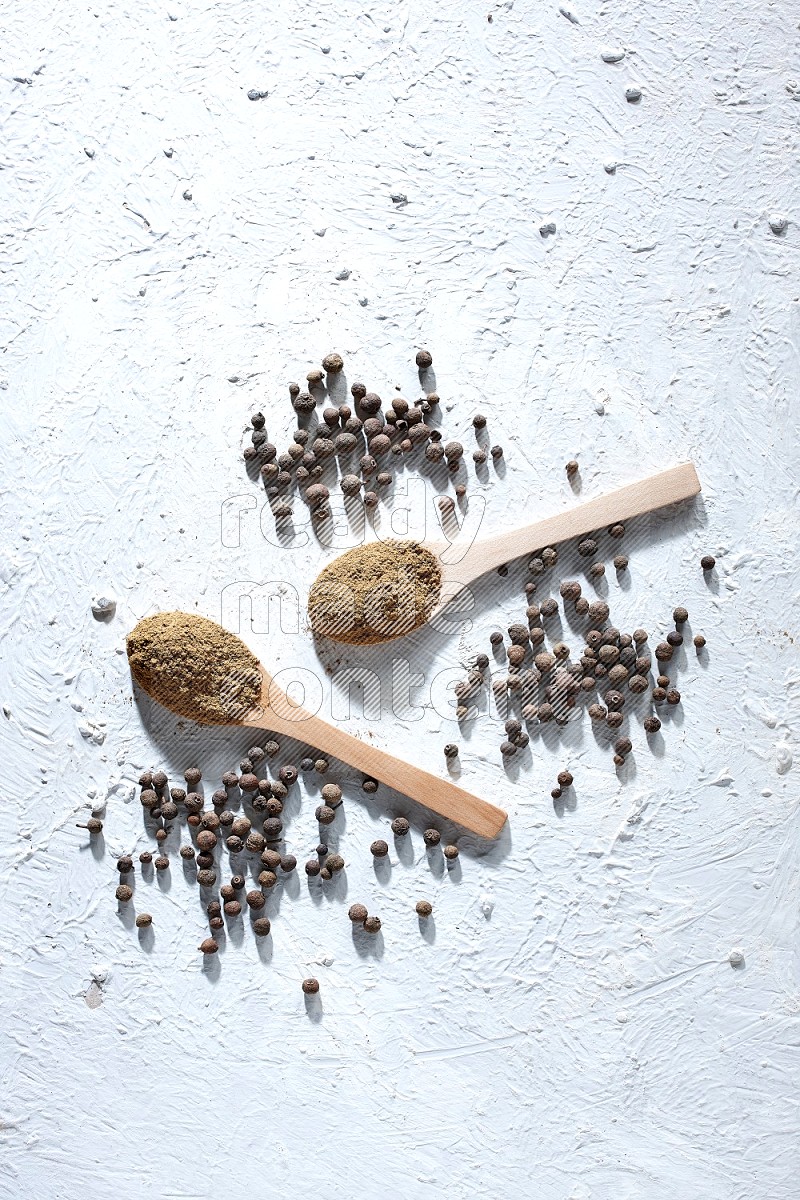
x=277, y=713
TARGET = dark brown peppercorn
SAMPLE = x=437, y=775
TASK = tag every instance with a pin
x=571, y=467
x=623, y=746
x=213, y=908
x=232, y=908
x=310, y=986
x=708, y=562
x=565, y=779
x=496, y=639
x=216, y=923
x=496, y=452
x=424, y=359
x=273, y=828
x=614, y=720
x=663, y=652
x=160, y=780
x=325, y=815
x=431, y=837
x=324, y=873
x=614, y=699
x=145, y=857
x=332, y=794
x=570, y=589
x=187, y=852
x=312, y=867
x=206, y=840
x=334, y=863
x=219, y=798
x=370, y=786
x=124, y=893
x=698, y=640
x=680, y=615
x=144, y=921
x=545, y=713
x=597, y=712
x=616, y=531
x=208, y=946
x=639, y=636
x=255, y=841
x=659, y=695
x=423, y=908
x=235, y=844
x=162, y=864
x=548, y=607
x=161, y=835
x=507, y=749
x=271, y=859
x=621, y=562
x=146, y=779
x=598, y=611
x=587, y=547
x=638, y=685
x=288, y=863
x=208, y=819
x=206, y=878
x=652, y=724
x=192, y=775
x=400, y=827
x=581, y=606
x=379, y=848
x=248, y=782
x=149, y=799
x=673, y=696
x=93, y=825
x=228, y=891
x=556, y=793
x=372, y=924
x=261, y=926
x=267, y=879
x=596, y=570
x=205, y=861
x=255, y=899
x=674, y=638
x=124, y=864
x=451, y=853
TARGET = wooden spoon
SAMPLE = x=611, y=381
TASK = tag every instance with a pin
x=460, y=568
x=277, y=713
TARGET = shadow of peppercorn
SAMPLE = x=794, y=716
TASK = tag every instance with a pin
x=126, y=915
x=147, y=939
x=96, y=846
x=453, y=870
x=436, y=861
x=211, y=967
x=314, y=1010
x=264, y=948
x=314, y=889
x=367, y=945
x=404, y=849
x=656, y=744
x=427, y=928
x=382, y=869
x=234, y=927
x=164, y=880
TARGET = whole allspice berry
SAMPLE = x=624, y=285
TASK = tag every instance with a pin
x=187, y=852
x=451, y=750
x=680, y=615
x=145, y=857
x=160, y=780
x=614, y=720
x=708, y=562
x=616, y=531
x=206, y=840
x=623, y=746
x=673, y=696
x=571, y=467
x=587, y=547
x=310, y=986
x=267, y=879
x=400, y=827
x=162, y=864
x=228, y=891
x=192, y=775
x=144, y=921
x=333, y=363
x=261, y=926
x=451, y=853
x=357, y=914
x=431, y=837
x=424, y=359
x=325, y=815
x=93, y=825
x=271, y=859
x=207, y=878
x=332, y=794
x=597, y=570
x=312, y=867
x=232, y=908
x=124, y=864
x=565, y=779
x=369, y=785
x=124, y=893
x=325, y=873
x=663, y=652
x=496, y=452
x=205, y=861
x=379, y=848
x=288, y=863
x=255, y=899
x=216, y=922
x=334, y=863
x=698, y=640
x=621, y=562
x=507, y=749
x=372, y=924
x=652, y=724
x=424, y=908
x=208, y=946
x=658, y=695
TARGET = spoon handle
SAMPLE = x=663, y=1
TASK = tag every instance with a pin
x=678, y=483
x=439, y=795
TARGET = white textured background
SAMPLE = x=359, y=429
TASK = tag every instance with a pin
x=589, y=1038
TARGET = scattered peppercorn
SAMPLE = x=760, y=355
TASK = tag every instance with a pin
x=232, y=908
x=680, y=615
x=261, y=926
x=652, y=724
x=144, y=921
x=312, y=867
x=208, y=946
x=162, y=864
x=207, y=878
x=496, y=452
x=616, y=531
x=400, y=827
x=451, y=853
x=698, y=640
x=431, y=837
x=93, y=825
x=565, y=779
x=369, y=785
x=267, y=879
x=334, y=863
x=310, y=986
x=124, y=893
x=187, y=852
x=379, y=848
x=424, y=908
x=708, y=562
x=571, y=467
x=255, y=899
x=621, y=562
x=145, y=857
x=673, y=696
x=192, y=775
x=325, y=815
x=587, y=547
x=372, y=924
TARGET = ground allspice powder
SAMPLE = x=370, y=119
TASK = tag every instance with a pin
x=375, y=592
x=194, y=667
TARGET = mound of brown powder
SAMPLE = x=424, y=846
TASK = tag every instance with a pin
x=194, y=667
x=374, y=593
